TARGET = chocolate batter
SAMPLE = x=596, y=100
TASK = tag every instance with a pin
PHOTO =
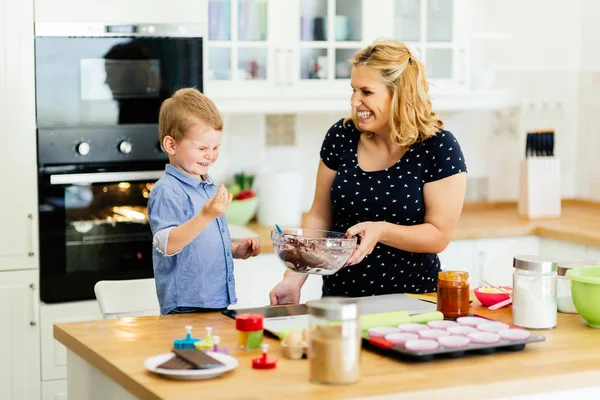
x=311, y=257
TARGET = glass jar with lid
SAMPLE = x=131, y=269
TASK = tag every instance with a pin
x=564, y=298
x=453, y=293
x=534, y=292
x=334, y=338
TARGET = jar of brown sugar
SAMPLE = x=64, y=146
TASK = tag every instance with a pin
x=453, y=293
x=334, y=341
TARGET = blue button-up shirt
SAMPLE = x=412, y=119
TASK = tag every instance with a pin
x=201, y=274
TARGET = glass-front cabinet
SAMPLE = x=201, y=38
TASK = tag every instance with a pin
x=292, y=47
x=300, y=48
x=438, y=30
x=324, y=36
x=240, y=46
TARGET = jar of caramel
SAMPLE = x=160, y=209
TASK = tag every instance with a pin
x=453, y=293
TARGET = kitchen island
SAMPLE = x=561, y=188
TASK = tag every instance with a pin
x=106, y=360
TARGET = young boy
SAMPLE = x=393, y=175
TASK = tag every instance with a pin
x=192, y=254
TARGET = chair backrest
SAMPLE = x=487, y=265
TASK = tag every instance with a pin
x=127, y=298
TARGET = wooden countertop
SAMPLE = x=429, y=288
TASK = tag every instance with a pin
x=579, y=223
x=119, y=347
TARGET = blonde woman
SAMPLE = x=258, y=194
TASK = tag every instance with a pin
x=389, y=174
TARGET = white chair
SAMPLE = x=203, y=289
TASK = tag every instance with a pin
x=127, y=298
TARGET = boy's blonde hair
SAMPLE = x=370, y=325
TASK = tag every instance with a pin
x=178, y=113
x=411, y=117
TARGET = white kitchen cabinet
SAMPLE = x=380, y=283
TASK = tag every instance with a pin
x=593, y=253
x=495, y=257
x=292, y=49
x=256, y=276
x=54, y=390
x=19, y=335
x=244, y=50
x=118, y=11
x=460, y=255
x=559, y=250
x=298, y=49
x=254, y=279
x=54, y=354
x=18, y=172
x=440, y=31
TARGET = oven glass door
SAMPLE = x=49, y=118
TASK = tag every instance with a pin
x=108, y=81
x=93, y=226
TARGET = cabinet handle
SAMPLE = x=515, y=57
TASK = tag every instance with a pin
x=31, y=252
x=34, y=309
x=278, y=80
x=290, y=59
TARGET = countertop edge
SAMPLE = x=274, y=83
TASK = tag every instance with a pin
x=500, y=390
x=101, y=364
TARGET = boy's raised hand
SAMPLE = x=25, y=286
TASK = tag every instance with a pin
x=216, y=206
x=249, y=247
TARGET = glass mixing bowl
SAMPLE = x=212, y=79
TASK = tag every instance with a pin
x=312, y=251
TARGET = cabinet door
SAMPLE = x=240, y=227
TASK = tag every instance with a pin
x=559, y=250
x=54, y=390
x=322, y=36
x=255, y=277
x=243, y=54
x=460, y=255
x=439, y=31
x=54, y=354
x=19, y=336
x=593, y=254
x=495, y=257
x=18, y=232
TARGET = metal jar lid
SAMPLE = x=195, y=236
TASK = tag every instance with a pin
x=535, y=264
x=563, y=267
x=334, y=308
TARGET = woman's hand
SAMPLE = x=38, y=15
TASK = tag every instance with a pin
x=249, y=247
x=370, y=234
x=217, y=206
x=286, y=292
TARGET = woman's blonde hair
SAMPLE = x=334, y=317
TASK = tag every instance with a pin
x=178, y=113
x=411, y=117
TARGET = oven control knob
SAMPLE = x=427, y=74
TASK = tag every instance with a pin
x=83, y=148
x=125, y=147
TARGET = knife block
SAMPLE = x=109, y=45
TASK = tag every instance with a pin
x=539, y=187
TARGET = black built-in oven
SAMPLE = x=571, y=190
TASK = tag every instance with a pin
x=98, y=93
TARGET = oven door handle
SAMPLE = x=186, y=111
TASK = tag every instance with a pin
x=97, y=177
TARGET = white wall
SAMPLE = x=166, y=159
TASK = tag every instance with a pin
x=588, y=162
x=537, y=54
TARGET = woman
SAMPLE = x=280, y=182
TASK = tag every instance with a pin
x=391, y=175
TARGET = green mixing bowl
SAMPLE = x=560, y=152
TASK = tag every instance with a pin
x=585, y=289
x=240, y=212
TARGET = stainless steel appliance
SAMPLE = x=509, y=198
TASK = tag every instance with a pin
x=98, y=92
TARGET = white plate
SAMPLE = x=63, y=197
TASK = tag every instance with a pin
x=152, y=364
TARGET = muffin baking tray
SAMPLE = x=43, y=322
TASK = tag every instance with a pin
x=398, y=350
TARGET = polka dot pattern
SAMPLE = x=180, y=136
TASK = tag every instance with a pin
x=394, y=195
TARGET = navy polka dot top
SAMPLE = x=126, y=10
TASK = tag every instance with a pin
x=393, y=195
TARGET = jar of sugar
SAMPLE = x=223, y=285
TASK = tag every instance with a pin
x=534, y=292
